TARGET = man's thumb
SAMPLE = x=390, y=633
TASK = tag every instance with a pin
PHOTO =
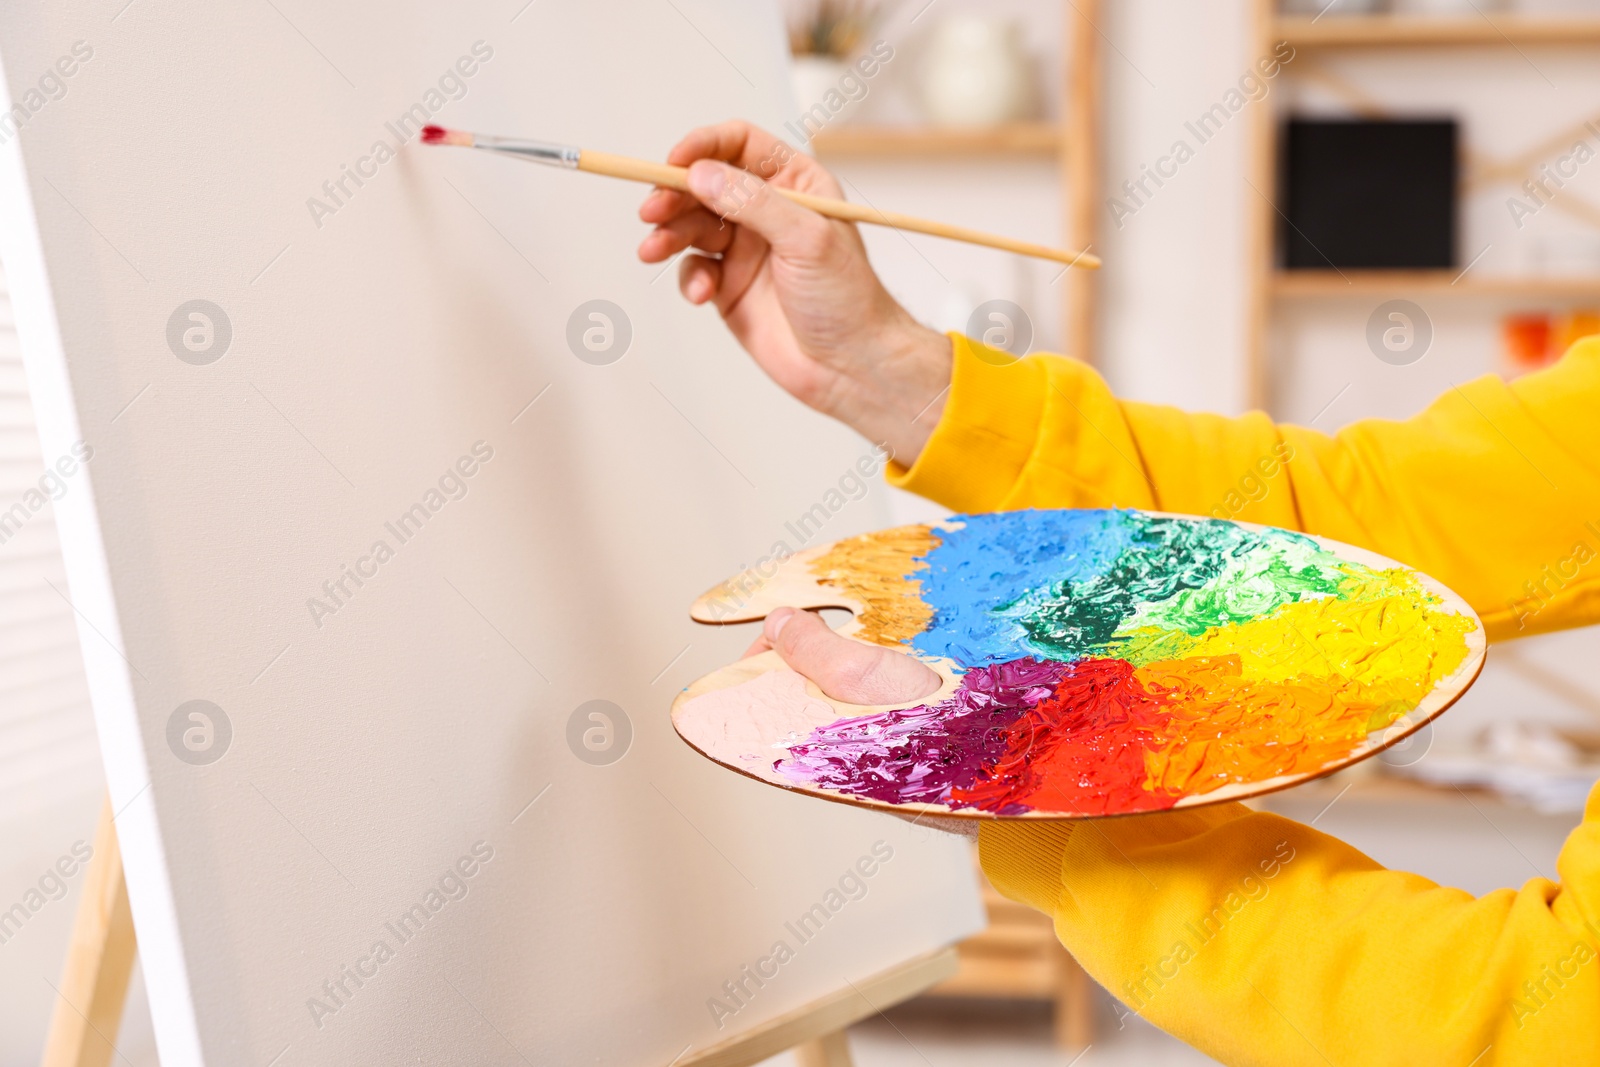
x=847, y=670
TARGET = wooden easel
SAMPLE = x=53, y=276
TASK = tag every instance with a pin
x=816, y=1031
x=94, y=980
x=94, y=987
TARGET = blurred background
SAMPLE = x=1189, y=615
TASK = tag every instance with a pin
x=1331, y=211
x=1270, y=184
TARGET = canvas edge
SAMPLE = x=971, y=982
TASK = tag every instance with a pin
x=107, y=672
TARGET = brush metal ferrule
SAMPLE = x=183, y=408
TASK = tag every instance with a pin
x=556, y=155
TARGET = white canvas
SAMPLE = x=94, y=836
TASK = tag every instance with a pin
x=384, y=337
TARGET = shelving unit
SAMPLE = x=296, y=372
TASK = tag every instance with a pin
x=1073, y=143
x=1350, y=30
x=1014, y=140
x=1315, y=283
x=1269, y=283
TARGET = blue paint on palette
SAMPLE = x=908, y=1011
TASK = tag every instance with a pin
x=975, y=574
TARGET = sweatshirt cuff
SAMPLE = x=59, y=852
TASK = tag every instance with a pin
x=1022, y=859
x=990, y=426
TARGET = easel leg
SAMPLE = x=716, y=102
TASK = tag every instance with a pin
x=94, y=980
x=829, y=1050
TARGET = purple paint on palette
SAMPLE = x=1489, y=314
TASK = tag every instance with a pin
x=920, y=755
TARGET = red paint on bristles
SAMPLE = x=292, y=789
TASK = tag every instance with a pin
x=434, y=134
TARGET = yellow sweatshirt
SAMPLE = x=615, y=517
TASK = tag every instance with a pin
x=1253, y=937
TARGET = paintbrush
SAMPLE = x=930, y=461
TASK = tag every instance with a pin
x=670, y=177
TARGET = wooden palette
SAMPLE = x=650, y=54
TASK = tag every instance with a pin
x=1093, y=663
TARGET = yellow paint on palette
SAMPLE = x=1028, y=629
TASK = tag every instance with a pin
x=878, y=569
x=1292, y=691
x=1383, y=625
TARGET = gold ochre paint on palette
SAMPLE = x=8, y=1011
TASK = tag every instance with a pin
x=1104, y=662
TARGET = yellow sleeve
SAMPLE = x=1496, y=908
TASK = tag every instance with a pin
x=1255, y=938
x=1261, y=941
x=1494, y=489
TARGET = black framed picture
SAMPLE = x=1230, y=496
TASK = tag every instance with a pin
x=1362, y=193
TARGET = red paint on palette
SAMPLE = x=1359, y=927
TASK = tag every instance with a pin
x=1081, y=749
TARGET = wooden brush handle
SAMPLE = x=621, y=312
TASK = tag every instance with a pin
x=670, y=177
x=634, y=170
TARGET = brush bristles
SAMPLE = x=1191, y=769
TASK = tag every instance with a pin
x=441, y=135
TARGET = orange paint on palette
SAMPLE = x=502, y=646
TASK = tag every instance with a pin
x=879, y=570
x=1221, y=728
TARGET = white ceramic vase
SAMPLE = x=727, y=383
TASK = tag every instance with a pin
x=974, y=72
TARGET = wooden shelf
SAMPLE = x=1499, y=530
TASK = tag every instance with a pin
x=1268, y=284
x=1316, y=283
x=1013, y=140
x=1033, y=978
x=1348, y=30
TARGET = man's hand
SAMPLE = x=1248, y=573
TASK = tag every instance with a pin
x=796, y=288
x=857, y=674
x=844, y=669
